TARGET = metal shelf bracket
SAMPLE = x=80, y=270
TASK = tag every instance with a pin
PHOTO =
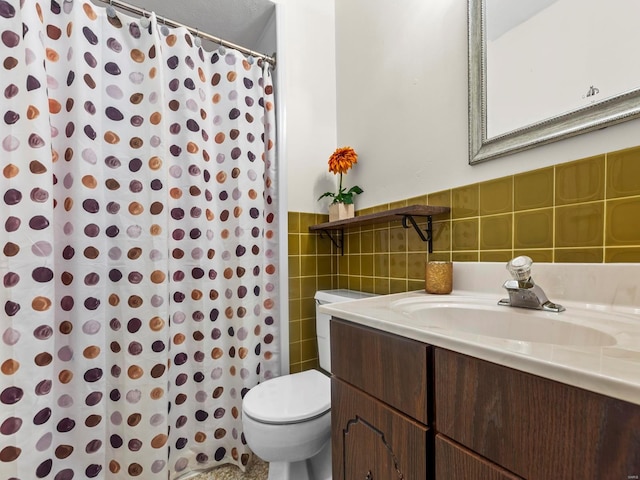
x=336, y=237
x=429, y=230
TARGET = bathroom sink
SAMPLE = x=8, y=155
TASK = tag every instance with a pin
x=464, y=316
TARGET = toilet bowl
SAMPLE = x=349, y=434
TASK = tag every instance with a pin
x=287, y=420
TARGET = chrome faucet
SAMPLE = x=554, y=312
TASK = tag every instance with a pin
x=523, y=292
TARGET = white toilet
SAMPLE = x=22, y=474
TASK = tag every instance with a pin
x=287, y=420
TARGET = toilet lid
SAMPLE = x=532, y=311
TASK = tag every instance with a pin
x=289, y=398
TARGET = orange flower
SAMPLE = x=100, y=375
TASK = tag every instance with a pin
x=342, y=160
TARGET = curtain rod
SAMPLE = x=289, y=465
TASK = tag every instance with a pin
x=172, y=23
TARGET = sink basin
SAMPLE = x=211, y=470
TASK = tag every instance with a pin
x=534, y=326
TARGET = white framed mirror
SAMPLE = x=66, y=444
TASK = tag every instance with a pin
x=544, y=70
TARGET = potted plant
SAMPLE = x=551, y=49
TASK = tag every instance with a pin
x=342, y=205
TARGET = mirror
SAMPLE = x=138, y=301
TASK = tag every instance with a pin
x=544, y=70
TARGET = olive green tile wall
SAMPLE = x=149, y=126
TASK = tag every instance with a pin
x=312, y=266
x=586, y=210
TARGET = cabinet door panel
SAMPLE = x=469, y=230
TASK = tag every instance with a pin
x=535, y=427
x=372, y=440
x=453, y=461
x=389, y=367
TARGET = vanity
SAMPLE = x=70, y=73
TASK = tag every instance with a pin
x=448, y=387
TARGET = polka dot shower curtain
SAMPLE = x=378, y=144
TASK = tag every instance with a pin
x=138, y=245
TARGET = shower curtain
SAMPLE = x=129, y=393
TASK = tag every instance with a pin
x=139, y=257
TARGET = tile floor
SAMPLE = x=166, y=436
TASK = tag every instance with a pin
x=257, y=470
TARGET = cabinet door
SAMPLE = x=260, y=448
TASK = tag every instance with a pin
x=393, y=369
x=532, y=426
x=454, y=461
x=371, y=441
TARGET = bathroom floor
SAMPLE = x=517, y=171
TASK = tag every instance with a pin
x=257, y=470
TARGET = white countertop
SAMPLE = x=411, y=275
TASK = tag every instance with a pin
x=612, y=370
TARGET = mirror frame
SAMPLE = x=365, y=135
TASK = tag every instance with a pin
x=613, y=110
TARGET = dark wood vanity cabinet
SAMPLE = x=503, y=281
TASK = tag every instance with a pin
x=380, y=405
x=405, y=410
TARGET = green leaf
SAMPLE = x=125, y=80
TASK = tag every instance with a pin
x=355, y=189
x=327, y=194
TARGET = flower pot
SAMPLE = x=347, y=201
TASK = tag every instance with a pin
x=340, y=211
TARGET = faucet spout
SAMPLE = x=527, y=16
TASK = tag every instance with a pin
x=523, y=291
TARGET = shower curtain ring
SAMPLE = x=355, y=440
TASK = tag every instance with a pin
x=164, y=29
x=111, y=12
x=144, y=20
x=197, y=40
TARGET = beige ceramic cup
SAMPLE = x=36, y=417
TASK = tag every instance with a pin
x=439, y=277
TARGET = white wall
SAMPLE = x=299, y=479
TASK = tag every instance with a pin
x=402, y=104
x=307, y=82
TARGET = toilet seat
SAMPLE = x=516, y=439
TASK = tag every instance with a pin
x=294, y=398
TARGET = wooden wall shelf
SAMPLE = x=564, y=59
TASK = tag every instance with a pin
x=335, y=230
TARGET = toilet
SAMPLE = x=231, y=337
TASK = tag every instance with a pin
x=287, y=420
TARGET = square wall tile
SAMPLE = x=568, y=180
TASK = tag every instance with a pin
x=465, y=234
x=496, y=256
x=381, y=240
x=440, y=199
x=354, y=264
x=622, y=255
x=623, y=173
x=580, y=225
x=293, y=244
x=441, y=236
x=367, y=285
x=623, y=222
x=293, y=219
x=294, y=309
x=533, y=229
x=465, y=201
x=308, y=219
x=579, y=255
x=496, y=196
x=496, y=232
x=366, y=241
x=398, y=265
x=308, y=265
x=354, y=283
x=308, y=287
x=381, y=286
x=398, y=238
x=439, y=257
x=397, y=285
x=352, y=242
x=295, y=329
x=294, y=287
x=325, y=264
x=414, y=242
x=538, y=256
x=325, y=282
x=308, y=329
x=534, y=189
x=580, y=181
x=324, y=245
x=366, y=265
x=416, y=264
x=308, y=243
x=464, y=257
x=381, y=264
x=309, y=349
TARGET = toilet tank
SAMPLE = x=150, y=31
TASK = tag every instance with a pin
x=322, y=319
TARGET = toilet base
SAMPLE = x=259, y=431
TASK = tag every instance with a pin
x=317, y=467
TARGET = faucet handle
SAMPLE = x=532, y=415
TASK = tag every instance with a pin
x=520, y=268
